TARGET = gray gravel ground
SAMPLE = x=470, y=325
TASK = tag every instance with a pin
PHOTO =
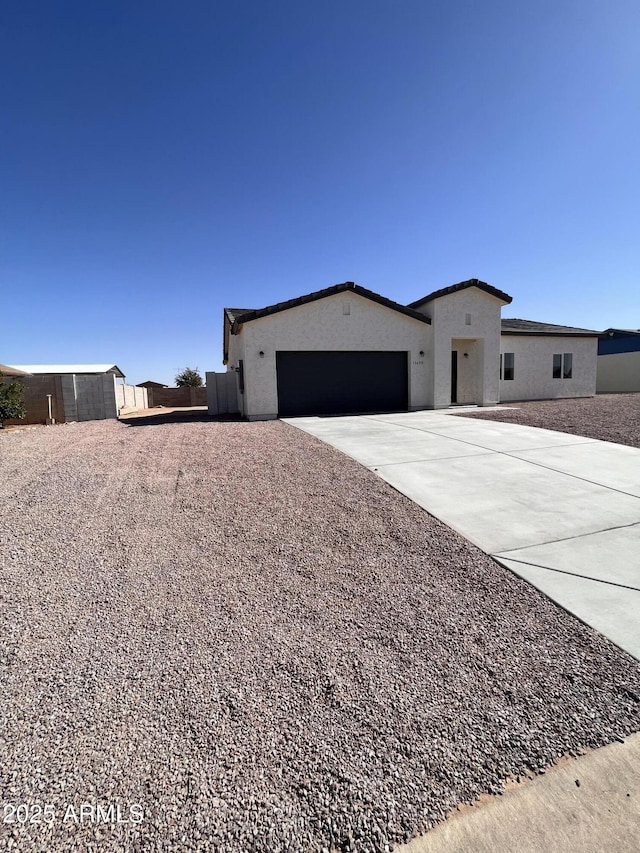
x=608, y=417
x=265, y=646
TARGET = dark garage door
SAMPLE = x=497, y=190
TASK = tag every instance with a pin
x=333, y=383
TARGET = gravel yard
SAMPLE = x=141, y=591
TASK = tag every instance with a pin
x=608, y=417
x=265, y=647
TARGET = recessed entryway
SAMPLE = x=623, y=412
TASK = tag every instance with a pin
x=466, y=373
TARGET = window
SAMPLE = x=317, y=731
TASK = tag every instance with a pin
x=563, y=365
x=507, y=362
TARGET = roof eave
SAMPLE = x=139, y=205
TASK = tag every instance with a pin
x=482, y=286
x=542, y=334
x=347, y=286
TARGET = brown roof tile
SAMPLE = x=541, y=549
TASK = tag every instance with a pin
x=531, y=327
x=237, y=316
x=463, y=285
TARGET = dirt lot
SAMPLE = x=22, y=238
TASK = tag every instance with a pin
x=609, y=417
x=254, y=644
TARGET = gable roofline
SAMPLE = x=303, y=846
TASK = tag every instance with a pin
x=239, y=316
x=234, y=314
x=463, y=285
x=531, y=327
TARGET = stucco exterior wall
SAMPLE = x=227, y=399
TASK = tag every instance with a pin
x=618, y=373
x=325, y=325
x=235, y=355
x=449, y=316
x=533, y=367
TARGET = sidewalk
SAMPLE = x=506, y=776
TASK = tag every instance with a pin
x=551, y=813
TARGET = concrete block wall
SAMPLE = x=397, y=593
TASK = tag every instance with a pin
x=69, y=397
x=35, y=390
x=177, y=397
x=96, y=397
x=77, y=397
x=131, y=398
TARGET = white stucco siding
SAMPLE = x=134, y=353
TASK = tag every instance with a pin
x=236, y=349
x=449, y=315
x=533, y=367
x=234, y=356
x=618, y=373
x=325, y=325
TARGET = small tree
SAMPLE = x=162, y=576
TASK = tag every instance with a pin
x=11, y=400
x=189, y=378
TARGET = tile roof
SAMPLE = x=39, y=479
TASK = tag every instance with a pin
x=463, y=285
x=237, y=316
x=531, y=327
x=234, y=314
x=70, y=368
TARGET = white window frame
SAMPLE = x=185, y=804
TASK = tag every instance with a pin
x=565, y=360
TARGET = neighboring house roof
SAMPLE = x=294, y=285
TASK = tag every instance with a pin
x=616, y=341
x=5, y=370
x=463, y=285
x=151, y=384
x=619, y=333
x=70, y=368
x=238, y=316
x=531, y=327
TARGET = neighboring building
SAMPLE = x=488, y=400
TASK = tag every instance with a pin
x=79, y=392
x=618, y=361
x=70, y=369
x=150, y=384
x=346, y=349
x=11, y=372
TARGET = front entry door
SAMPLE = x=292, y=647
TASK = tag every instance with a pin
x=454, y=376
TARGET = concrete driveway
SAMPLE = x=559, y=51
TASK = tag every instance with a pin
x=561, y=511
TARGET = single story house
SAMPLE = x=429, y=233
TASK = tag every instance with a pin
x=151, y=384
x=346, y=349
x=618, y=361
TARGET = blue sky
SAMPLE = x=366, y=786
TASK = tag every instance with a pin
x=160, y=160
